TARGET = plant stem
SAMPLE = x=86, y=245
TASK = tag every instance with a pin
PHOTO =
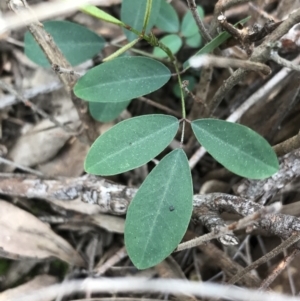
x=147, y=14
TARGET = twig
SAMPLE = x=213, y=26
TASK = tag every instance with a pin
x=240, y=35
x=262, y=12
x=118, y=256
x=288, y=145
x=159, y=106
x=114, y=199
x=21, y=167
x=283, y=62
x=279, y=269
x=286, y=108
x=220, y=7
x=11, y=99
x=228, y=265
x=208, y=60
x=284, y=245
x=241, y=224
x=35, y=108
x=193, y=8
x=166, y=286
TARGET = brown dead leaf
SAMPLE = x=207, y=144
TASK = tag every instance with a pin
x=36, y=283
x=110, y=223
x=23, y=235
x=68, y=162
x=41, y=143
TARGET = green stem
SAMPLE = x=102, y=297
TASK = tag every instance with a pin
x=147, y=14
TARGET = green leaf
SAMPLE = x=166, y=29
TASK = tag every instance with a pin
x=167, y=19
x=133, y=13
x=237, y=147
x=122, y=79
x=130, y=144
x=76, y=42
x=100, y=14
x=159, y=214
x=191, y=85
x=107, y=111
x=194, y=41
x=189, y=26
x=172, y=41
x=213, y=44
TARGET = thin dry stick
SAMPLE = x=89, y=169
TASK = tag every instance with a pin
x=227, y=264
x=220, y=7
x=279, y=269
x=11, y=99
x=287, y=145
x=118, y=256
x=56, y=57
x=21, y=167
x=240, y=224
x=159, y=106
x=35, y=108
x=262, y=12
x=193, y=8
x=284, y=245
x=207, y=60
x=291, y=103
x=283, y=62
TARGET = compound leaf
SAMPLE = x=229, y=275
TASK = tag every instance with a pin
x=76, y=42
x=122, y=79
x=130, y=144
x=133, y=14
x=237, y=147
x=189, y=26
x=159, y=214
x=172, y=41
x=167, y=19
x=107, y=111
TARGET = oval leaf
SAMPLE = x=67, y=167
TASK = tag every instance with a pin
x=133, y=14
x=159, y=214
x=76, y=42
x=194, y=41
x=31, y=238
x=107, y=111
x=189, y=26
x=172, y=41
x=130, y=144
x=100, y=14
x=122, y=79
x=167, y=19
x=237, y=147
